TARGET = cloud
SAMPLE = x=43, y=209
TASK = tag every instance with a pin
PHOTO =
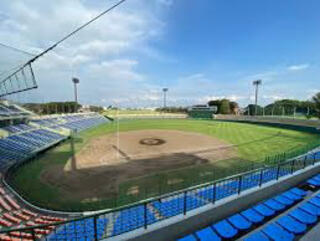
x=298, y=67
x=105, y=55
x=274, y=97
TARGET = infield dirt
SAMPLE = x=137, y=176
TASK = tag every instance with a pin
x=104, y=162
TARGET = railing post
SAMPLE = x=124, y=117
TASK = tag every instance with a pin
x=278, y=171
x=304, y=162
x=239, y=185
x=214, y=188
x=260, y=179
x=95, y=227
x=185, y=203
x=292, y=165
x=314, y=158
x=145, y=215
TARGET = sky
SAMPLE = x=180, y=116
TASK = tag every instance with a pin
x=200, y=50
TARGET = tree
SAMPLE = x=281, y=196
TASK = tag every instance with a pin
x=316, y=101
x=251, y=109
x=225, y=107
x=234, y=107
x=216, y=103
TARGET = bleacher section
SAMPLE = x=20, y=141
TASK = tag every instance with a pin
x=14, y=215
x=75, y=122
x=80, y=230
x=19, y=142
x=8, y=110
x=26, y=139
x=286, y=216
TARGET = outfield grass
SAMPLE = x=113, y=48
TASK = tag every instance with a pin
x=254, y=143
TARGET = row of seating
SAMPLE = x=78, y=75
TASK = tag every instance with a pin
x=297, y=221
x=7, y=110
x=133, y=218
x=291, y=225
x=75, y=122
x=240, y=223
x=18, y=128
x=19, y=146
x=12, y=214
x=80, y=230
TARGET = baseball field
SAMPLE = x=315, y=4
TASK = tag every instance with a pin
x=120, y=162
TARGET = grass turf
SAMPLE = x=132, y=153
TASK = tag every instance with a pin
x=254, y=143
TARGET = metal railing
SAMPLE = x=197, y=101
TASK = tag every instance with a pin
x=142, y=214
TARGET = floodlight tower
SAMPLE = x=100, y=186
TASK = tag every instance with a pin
x=256, y=83
x=165, y=90
x=75, y=81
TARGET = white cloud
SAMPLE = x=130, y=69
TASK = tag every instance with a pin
x=105, y=55
x=233, y=97
x=274, y=97
x=298, y=67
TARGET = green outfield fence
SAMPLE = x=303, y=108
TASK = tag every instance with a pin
x=274, y=159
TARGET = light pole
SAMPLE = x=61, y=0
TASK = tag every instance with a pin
x=256, y=83
x=165, y=90
x=75, y=82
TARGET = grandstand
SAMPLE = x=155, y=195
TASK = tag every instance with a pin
x=289, y=213
x=274, y=199
x=25, y=135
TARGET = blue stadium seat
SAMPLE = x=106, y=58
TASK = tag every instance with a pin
x=252, y=216
x=264, y=210
x=80, y=230
x=303, y=217
x=132, y=218
x=277, y=233
x=314, y=182
x=292, y=196
x=273, y=204
x=310, y=208
x=225, y=229
x=315, y=201
x=257, y=236
x=291, y=224
x=239, y=222
x=207, y=234
x=283, y=200
x=298, y=191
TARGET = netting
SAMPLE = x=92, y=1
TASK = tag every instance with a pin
x=16, y=73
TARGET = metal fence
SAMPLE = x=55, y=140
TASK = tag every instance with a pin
x=145, y=213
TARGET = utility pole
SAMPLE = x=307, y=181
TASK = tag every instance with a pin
x=256, y=83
